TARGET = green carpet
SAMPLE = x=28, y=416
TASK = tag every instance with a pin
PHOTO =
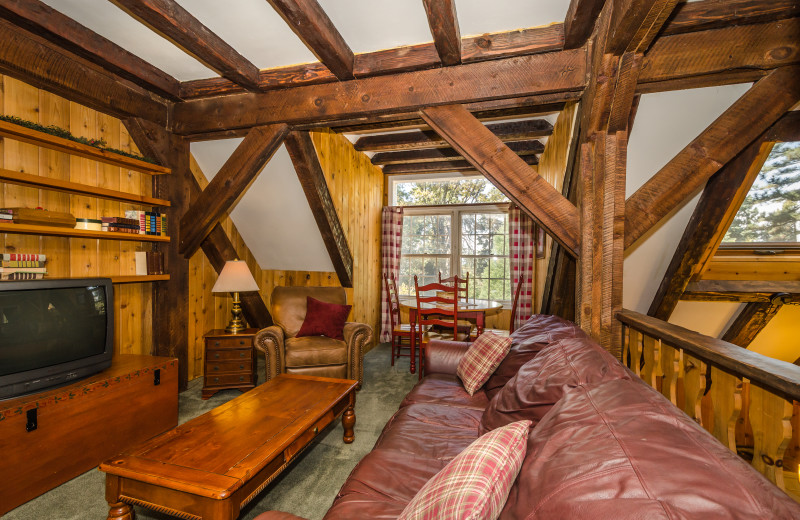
x=306, y=488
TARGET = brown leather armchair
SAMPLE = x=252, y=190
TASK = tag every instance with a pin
x=310, y=355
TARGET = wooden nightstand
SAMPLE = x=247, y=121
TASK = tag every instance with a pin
x=230, y=361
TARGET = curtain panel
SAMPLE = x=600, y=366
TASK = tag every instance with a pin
x=391, y=242
x=523, y=249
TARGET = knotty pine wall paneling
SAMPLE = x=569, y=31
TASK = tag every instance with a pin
x=71, y=257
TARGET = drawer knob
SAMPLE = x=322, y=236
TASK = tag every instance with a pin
x=216, y=343
x=241, y=367
x=216, y=355
x=241, y=342
x=241, y=354
x=241, y=378
x=216, y=380
x=216, y=367
x=316, y=430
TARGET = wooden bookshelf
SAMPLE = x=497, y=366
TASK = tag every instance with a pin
x=36, y=181
x=59, y=144
x=30, y=229
x=139, y=278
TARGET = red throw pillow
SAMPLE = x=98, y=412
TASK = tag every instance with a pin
x=481, y=360
x=324, y=319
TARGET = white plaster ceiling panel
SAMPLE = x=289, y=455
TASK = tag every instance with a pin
x=109, y=21
x=709, y=318
x=665, y=123
x=273, y=216
x=482, y=16
x=370, y=25
x=254, y=29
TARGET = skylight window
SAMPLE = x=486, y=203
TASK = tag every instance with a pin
x=771, y=210
x=445, y=191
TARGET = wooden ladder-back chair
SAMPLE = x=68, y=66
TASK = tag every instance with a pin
x=437, y=305
x=461, y=289
x=401, y=333
x=515, y=301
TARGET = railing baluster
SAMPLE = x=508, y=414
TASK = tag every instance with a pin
x=771, y=418
x=694, y=384
x=726, y=394
x=648, y=367
x=670, y=361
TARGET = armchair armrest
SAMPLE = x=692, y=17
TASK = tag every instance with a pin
x=270, y=342
x=356, y=335
x=442, y=357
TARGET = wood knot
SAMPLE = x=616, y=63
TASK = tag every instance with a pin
x=365, y=98
x=318, y=102
x=483, y=42
x=780, y=53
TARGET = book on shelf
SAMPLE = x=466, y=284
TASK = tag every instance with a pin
x=39, y=217
x=150, y=222
x=5, y=216
x=23, y=256
x=21, y=263
x=8, y=270
x=149, y=262
x=21, y=276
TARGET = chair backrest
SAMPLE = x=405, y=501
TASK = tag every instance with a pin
x=392, y=299
x=437, y=306
x=461, y=284
x=514, y=303
x=288, y=304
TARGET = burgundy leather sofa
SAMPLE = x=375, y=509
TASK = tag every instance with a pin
x=603, y=445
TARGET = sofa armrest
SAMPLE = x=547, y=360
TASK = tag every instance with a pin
x=442, y=357
x=357, y=336
x=270, y=342
x=277, y=515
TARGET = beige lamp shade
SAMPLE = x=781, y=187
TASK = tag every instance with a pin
x=235, y=277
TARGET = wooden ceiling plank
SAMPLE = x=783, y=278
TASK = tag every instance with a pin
x=443, y=22
x=40, y=63
x=175, y=23
x=229, y=184
x=718, y=204
x=750, y=321
x=514, y=131
x=441, y=166
x=316, y=30
x=768, y=99
x=742, y=290
x=312, y=179
x=580, y=20
x=506, y=171
x=65, y=32
x=549, y=73
x=713, y=14
x=521, y=148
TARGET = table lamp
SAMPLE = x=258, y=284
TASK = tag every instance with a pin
x=235, y=278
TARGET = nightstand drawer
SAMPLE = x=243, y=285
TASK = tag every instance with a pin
x=228, y=380
x=229, y=343
x=229, y=355
x=218, y=367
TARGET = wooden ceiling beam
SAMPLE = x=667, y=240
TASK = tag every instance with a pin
x=508, y=172
x=442, y=166
x=443, y=22
x=490, y=46
x=750, y=321
x=711, y=218
x=418, y=140
x=312, y=179
x=713, y=14
x=229, y=184
x=40, y=63
x=580, y=21
x=43, y=20
x=634, y=24
x=742, y=291
x=737, y=127
x=521, y=148
x=170, y=20
x=550, y=73
x=316, y=30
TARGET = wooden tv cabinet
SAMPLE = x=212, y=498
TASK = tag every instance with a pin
x=82, y=424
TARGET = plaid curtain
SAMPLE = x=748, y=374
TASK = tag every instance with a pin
x=523, y=248
x=391, y=240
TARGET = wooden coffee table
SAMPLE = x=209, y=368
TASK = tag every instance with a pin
x=213, y=465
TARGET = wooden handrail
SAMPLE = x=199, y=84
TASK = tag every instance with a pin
x=776, y=376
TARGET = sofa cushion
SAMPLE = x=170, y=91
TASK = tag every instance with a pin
x=447, y=390
x=542, y=381
x=620, y=448
x=382, y=484
x=312, y=351
x=475, y=484
x=324, y=319
x=288, y=304
x=431, y=430
x=481, y=360
x=526, y=342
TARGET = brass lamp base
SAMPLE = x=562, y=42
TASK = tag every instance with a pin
x=237, y=324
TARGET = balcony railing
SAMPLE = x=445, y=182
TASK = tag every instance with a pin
x=748, y=401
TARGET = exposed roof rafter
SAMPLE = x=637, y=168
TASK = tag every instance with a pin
x=443, y=23
x=521, y=148
x=442, y=166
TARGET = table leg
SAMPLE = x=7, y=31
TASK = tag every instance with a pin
x=412, y=318
x=348, y=422
x=480, y=322
x=120, y=511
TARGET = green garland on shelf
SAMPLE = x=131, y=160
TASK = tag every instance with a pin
x=66, y=134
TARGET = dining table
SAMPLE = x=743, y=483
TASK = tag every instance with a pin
x=470, y=308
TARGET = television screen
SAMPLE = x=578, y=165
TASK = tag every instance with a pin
x=41, y=328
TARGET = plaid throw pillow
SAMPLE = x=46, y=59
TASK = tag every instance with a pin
x=481, y=360
x=475, y=484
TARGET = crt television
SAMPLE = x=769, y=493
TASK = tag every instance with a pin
x=53, y=332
